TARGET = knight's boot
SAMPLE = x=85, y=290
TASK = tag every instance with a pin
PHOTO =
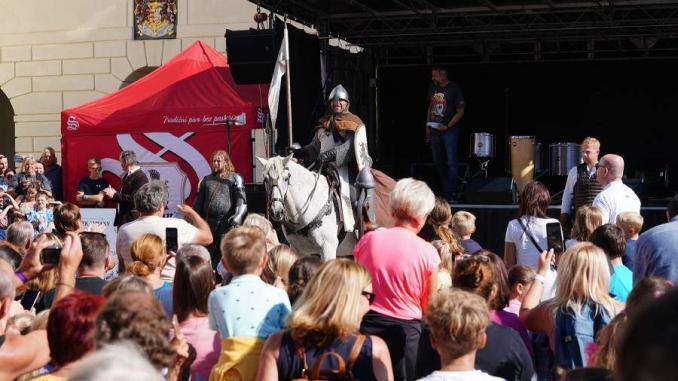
x=367, y=204
x=370, y=211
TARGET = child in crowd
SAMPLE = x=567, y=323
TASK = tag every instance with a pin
x=610, y=238
x=458, y=320
x=247, y=310
x=631, y=223
x=300, y=274
x=446, y=264
x=520, y=278
x=280, y=260
x=586, y=219
x=464, y=224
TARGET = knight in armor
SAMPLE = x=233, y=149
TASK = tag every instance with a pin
x=341, y=141
x=581, y=186
x=221, y=200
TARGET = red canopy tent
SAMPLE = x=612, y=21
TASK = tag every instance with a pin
x=175, y=116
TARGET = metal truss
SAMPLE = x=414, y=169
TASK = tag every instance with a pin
x=439, y=31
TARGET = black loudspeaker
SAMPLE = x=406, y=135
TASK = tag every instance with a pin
x=252, y=54
x=491, y=190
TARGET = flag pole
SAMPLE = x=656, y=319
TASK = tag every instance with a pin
x=288, y=74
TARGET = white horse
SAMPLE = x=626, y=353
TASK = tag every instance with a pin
x=300, y=200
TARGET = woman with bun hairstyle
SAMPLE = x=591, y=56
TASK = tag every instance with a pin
x=149, y=256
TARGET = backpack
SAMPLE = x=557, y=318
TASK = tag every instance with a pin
x=341, y=373
x=575, y=332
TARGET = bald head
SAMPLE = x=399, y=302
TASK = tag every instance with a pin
x=611, y=168
x=615, y=164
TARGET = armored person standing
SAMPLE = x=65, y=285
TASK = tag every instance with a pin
x=221, y=200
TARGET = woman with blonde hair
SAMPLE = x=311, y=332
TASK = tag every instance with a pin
x=586, y=220
x=149, y=256
x=326, y=318
x=582, y=305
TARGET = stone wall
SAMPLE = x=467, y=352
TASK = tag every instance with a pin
x=59, y=54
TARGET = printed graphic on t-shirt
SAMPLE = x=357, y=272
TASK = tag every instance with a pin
x=439, y=104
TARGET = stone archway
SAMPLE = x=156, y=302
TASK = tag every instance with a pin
x=137, y=75
x=7, y=133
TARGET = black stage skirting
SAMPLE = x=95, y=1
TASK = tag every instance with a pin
x=491, y=221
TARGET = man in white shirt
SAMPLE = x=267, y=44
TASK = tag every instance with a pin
x=581, y=186
x=150, y=200
x=615, y=197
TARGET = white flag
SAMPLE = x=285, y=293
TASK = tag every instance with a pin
x=278, y=72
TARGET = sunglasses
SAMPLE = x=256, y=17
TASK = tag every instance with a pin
x=369, y=295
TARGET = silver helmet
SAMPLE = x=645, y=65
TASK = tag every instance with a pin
x=338, y=93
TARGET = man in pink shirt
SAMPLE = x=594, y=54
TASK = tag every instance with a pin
x=404, y=271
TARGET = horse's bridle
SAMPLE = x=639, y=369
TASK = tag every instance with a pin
x=273, y=183
x=291, y=224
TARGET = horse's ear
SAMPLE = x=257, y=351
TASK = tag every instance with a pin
x=287, y=159
x=262, y=161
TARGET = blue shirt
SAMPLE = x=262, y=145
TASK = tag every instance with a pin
x=621, y=282
x=248, y=307
x=627, y=258
x=164, y=295
x=470, y=246
x=657, y=253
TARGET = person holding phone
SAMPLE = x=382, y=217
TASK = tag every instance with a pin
x=526, y=236
x=150, y=201
x=90, y=192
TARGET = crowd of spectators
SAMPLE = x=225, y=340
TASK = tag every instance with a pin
x=419, y=300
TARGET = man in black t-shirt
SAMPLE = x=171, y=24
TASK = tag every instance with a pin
x=90, y=189
x=446, y=108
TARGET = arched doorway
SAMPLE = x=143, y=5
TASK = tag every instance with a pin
x=6, y=127
x=137, y=74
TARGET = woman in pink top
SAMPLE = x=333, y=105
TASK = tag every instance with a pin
x=193, y=282
x=404, y=271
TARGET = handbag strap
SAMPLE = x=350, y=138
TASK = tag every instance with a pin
x=304, y=365
x=530, y=236
x=355, y=351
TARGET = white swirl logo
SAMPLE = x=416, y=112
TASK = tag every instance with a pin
x=72, y=124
